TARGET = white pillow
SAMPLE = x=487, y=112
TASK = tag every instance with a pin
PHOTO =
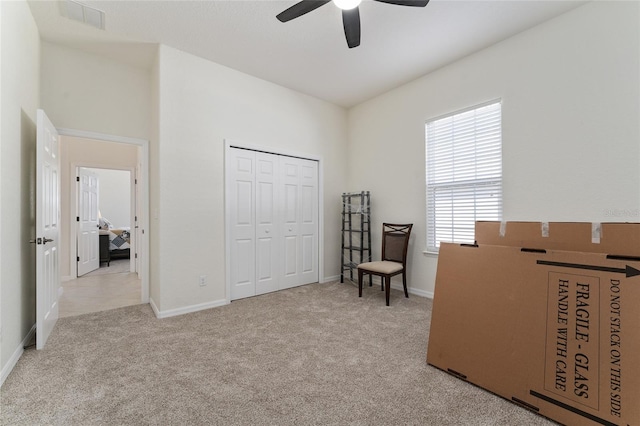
x=104, y=223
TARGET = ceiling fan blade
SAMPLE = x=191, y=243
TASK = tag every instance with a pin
x=415, y=3
x=351, y=23
x=299, y=9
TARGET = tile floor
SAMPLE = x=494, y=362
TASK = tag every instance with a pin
x=99, y=292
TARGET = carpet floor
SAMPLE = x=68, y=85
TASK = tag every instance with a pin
x=312, y=355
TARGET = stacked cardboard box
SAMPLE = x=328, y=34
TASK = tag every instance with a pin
x=546, y=315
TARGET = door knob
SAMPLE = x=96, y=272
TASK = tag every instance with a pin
x=40, y=241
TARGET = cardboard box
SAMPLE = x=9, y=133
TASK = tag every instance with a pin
x=545, y=315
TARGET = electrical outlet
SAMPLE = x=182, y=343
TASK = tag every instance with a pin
x=202, y=280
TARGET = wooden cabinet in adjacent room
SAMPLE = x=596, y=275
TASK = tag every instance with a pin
x=105, y=254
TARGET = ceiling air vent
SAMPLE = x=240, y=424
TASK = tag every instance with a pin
x=85, y=14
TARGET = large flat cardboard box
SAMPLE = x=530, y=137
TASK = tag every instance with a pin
x=545, y=315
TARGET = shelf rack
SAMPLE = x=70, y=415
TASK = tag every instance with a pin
x=356, y=232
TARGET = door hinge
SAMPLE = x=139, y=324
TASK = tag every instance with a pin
x=135, y=218
x=136, y=256
x=77, y=178
x=77, y=218
x=78, y=259
x=135, y=181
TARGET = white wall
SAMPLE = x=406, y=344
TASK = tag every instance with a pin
x=114, y=196
x=570, y=89
x=201, y=105
x=84, y=91
x=20, y=44
x=154, y=189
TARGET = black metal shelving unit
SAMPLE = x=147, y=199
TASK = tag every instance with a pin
x=356, y=232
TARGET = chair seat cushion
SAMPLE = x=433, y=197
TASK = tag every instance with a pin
x=381, y=267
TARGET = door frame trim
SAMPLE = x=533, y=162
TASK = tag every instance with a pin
x=73, y=228
x=230, y=143
x=143, y=216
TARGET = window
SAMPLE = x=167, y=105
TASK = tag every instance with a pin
x=463, y=173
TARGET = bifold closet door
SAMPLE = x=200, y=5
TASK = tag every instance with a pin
x=273, y=222
x=241, y=173
x=299, y=221
x=267, y=235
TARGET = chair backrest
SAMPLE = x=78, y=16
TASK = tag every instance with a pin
x=395, y=241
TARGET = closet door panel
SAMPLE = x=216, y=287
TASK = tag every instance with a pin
x=290, y=204
x=290, y=176
x=242, y=221
x=308, y=231
x=244, y=265
x=266, y=231
x=290, y=256
x=308, y=242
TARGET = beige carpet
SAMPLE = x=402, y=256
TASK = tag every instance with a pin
x=315, y=354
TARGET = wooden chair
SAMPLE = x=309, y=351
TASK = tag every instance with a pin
x=395, y=241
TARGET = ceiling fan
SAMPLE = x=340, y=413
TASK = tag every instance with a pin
x=350, y=14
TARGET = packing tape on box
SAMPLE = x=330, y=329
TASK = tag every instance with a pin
x=544, y=228
x=503, y=228
x=596, y=232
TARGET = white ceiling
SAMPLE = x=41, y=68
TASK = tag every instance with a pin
x=308, y=54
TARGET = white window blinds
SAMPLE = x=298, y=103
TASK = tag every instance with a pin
x=463, y=173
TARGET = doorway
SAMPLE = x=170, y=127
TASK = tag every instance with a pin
x=120, y=279
x=105, y=222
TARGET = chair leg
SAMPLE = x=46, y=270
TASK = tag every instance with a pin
x=404, y=283
x=370, y=280
x=388, y=279
x=360, y=272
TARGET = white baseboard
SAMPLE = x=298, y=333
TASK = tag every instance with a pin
x=411, y=290
x=6, y=370
x=155, y=309
x=330, y=279
x=66, y=278
x=416, y=291
x=187, y=309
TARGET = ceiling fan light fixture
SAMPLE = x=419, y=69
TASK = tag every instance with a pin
x=347, y=4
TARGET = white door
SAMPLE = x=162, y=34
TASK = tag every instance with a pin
x=273, y=222
x=308, y=225
x=241, y=187
x=266, y=231
x=289, y=220
x=299, y=221
x=47, y=228
x=87, y=219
